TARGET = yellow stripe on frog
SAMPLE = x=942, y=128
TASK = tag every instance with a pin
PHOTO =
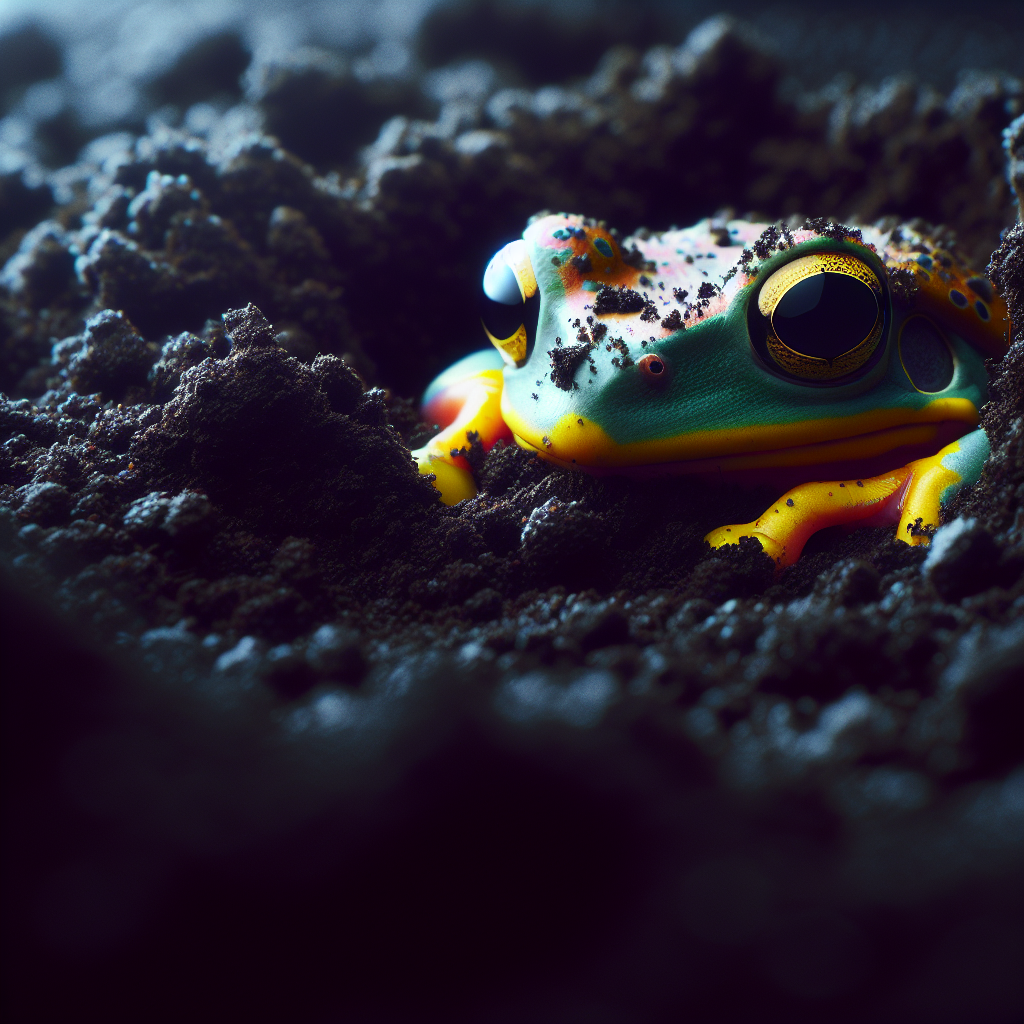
x=576, y=440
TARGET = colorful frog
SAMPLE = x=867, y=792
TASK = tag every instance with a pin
x=845, y=363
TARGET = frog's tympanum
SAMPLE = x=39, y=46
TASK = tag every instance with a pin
x=844, y=363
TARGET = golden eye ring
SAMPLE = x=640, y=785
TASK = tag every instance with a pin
x=823, y=316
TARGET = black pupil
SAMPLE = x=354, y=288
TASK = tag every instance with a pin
x=500, y=319
x=825, y=315
x=655, y=366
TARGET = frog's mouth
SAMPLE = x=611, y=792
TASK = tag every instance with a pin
x=864, y=455
x=777, y=454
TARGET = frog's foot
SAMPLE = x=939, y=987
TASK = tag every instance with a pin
x=466, y=402
x=912, y=496
x=452, y=476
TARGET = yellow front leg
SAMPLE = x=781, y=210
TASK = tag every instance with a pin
x=914, y=494
x=478, y=402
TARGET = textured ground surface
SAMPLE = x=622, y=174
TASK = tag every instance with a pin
x=285, y=738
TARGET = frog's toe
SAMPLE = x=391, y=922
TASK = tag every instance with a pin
x=733, y=534
x=455, y=483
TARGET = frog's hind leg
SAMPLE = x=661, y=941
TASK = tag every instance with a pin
x=785, y=528
x=912, y=496
x=464, y=400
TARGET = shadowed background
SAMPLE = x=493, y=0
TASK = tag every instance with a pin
x=282, y=740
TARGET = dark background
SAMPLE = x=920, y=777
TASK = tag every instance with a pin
x=448, y=821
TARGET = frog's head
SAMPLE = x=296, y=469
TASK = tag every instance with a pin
x=737, y=346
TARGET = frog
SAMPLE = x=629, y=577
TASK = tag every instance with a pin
x=842, y=364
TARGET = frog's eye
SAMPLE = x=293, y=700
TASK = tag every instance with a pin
x=510, y=303
x=821, y=317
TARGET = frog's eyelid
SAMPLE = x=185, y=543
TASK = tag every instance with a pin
x=807, y=266
x=516, y=258
x=500, y=283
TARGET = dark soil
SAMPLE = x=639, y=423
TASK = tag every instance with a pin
x=287, y=739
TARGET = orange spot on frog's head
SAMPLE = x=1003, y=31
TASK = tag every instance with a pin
x=955, y=294
x=587, y=255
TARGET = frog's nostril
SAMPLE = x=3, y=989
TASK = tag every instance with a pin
x=652, y=365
